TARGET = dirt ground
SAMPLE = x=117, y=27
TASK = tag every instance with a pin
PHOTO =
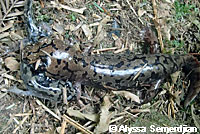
x=109, y=26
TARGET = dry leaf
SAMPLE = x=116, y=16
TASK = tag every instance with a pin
x=141, y=12
x=140, y=110
x=76, y=113
x=87, y=31
x=1, y=15
x=128, y=95
x=100, y=31
x=105, y=116
x=15, y=36
x=70, y=27
x=118, y=43
x=164, y=10
x=102, y=23
x=174, y=76
x=99, y=37
x=59, y=28
x=167, y=30
x=19, y=4
x=12, y=63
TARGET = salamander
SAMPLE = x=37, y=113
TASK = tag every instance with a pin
x=59, y=61
x=49, y=66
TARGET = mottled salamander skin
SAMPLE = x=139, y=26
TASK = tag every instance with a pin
x=111, y=71
x=47, y=67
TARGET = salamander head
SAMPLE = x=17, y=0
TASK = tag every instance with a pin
x=56, y=59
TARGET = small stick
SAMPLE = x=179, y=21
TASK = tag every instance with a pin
x=157, y=25
x=81, y=10
x=62, y=131
x=104, y=49
x=76, y=124
x=48, y=110
x=21, y=123
x=138, y=73
x=42, y=3
x=134, y=11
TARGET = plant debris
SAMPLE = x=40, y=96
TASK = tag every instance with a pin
x=106, y=26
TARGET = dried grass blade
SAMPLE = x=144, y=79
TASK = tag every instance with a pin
x=76, y=124
x=15, y=14
x=3, y=6
x=6, y=27
x=20, y=124
x=10, y=8
x=48, y=110
x=6, y=34
x=81, y=10
x=1, y=14
x=7, y=3
x=19, y=4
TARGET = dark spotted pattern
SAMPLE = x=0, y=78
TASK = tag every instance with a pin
x=119, y=71
x=47, y=66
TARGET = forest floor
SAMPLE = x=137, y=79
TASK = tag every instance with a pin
x=111, y=26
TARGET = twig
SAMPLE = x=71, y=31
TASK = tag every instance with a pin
x=20, y=124
x=138, y=73
x=62, y=131
x=134, y=11
x=171, y=102
x=195, y=54
x=76, y=124
x=41, y=3
x=104, y=49
x=65, y=95
x=23, y=114
x=157, y=25
x=8, y=11
x=48, y=110
x=10, y=24
x=120, y=50
x=81, y=10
